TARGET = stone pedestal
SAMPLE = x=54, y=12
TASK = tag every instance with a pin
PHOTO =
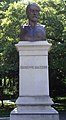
x=33, y=102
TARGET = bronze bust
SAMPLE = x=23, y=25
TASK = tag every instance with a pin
x=32, y=31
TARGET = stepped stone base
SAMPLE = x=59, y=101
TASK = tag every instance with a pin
x=34, y=116
x=38, y=109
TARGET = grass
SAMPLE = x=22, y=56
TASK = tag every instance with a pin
x=5, y=111
x=59, y=103
x=60, y=107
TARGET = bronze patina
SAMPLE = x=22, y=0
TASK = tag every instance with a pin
x=33, y=31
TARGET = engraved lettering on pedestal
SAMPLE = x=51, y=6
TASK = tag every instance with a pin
x=33, y=67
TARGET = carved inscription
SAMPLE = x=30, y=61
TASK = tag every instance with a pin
x=33, y=67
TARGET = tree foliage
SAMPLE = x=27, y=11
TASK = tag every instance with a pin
x=57, y=70
x=53, y=15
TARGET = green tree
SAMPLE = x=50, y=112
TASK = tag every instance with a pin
x=53, y=15
x=11, y=19
x=57, y=70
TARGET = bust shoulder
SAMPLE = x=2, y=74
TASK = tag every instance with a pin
x=33, y=33
x=38, y=24
x=25, y=25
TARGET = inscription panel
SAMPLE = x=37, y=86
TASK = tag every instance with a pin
x=33, y=67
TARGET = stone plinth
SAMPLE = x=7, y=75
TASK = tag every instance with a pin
x=33, y=102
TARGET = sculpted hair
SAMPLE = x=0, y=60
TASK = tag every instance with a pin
x=28, y=7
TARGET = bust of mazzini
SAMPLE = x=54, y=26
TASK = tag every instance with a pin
x=32, y=31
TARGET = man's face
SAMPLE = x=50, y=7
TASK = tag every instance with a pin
x=33, y=13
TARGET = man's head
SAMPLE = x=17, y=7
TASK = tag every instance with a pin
x=32, y=12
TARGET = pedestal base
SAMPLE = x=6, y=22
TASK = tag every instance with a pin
x=34, y=108
x=43, y=116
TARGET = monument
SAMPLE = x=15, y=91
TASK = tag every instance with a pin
x=34, y=102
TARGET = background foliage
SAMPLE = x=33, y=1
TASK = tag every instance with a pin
x=12, y=16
